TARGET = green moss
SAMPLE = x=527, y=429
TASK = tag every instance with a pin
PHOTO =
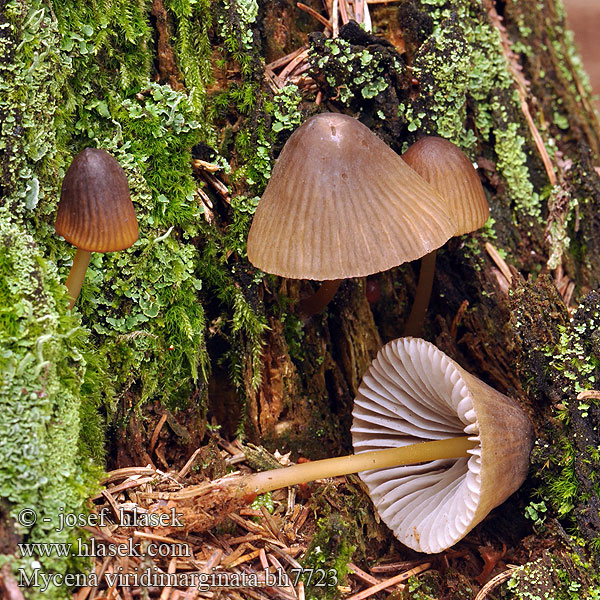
x=326, y=562
x=191, y=44
x=43, y=464
x=562, y=361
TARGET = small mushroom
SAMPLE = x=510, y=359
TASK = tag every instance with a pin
x=95, y=212
x=413, y=392
x=447, y=169
x=340, y=203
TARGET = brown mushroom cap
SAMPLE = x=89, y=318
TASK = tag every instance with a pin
x=340, y=203
x=413, y=392
x=451, y=173
x=95, y=212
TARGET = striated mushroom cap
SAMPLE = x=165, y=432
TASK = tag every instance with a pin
x=450, y=172
x=411, y=393
x=340, y=203
x=95, y=212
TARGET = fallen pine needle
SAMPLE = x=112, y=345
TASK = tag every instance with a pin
x=362, y=575
x=243, y=559
x=593, y=394
x=390, y=582
x=158, y=538
x=499, y=261
x=128, y=472
x=494, y=582
x=313, y=13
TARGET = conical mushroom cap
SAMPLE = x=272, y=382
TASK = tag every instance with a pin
x=95, y=212
x=450, y=172
x=340, y=203
x=411, y=393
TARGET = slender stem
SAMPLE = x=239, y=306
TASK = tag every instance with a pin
x=319, y=300
x=275, y=479
x=77, y=274
x=414, y=325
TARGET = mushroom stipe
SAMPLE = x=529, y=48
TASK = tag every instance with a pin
x=267, y=481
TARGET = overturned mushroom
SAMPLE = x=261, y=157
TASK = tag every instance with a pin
x=447, y=169
x=95, y=212
x=339, y=204
x=206, y=505
x=467, y=443
x=413, y=392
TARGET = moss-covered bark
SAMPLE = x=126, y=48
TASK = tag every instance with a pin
x=184, y=320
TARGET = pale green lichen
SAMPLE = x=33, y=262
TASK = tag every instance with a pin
x=285, y=109
x=32, y=73
x=350, y=71
x=442, y=67
x=551, y=578
x=484, y=75
x=512, y=163
x=238, y=27
x=43, y=465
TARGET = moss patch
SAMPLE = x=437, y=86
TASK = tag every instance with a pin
x=561, y=361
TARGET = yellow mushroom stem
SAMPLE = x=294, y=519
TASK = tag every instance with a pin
x=77, y=275
x=414, y=325
x=267, y=481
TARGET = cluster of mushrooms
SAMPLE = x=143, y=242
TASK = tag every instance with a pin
x=437, y=448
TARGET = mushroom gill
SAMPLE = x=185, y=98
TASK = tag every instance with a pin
x=412, y=393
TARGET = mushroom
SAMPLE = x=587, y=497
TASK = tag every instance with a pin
x=95, y=212
x=340, y=203
x=413, y=392
x=468, y=445
x=447, y=169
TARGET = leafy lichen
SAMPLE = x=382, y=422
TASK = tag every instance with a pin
x=348, y=70
x=552, y=578
x=464, y=38
x=44, y=466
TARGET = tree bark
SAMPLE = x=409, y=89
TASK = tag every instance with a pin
x=185, y=320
